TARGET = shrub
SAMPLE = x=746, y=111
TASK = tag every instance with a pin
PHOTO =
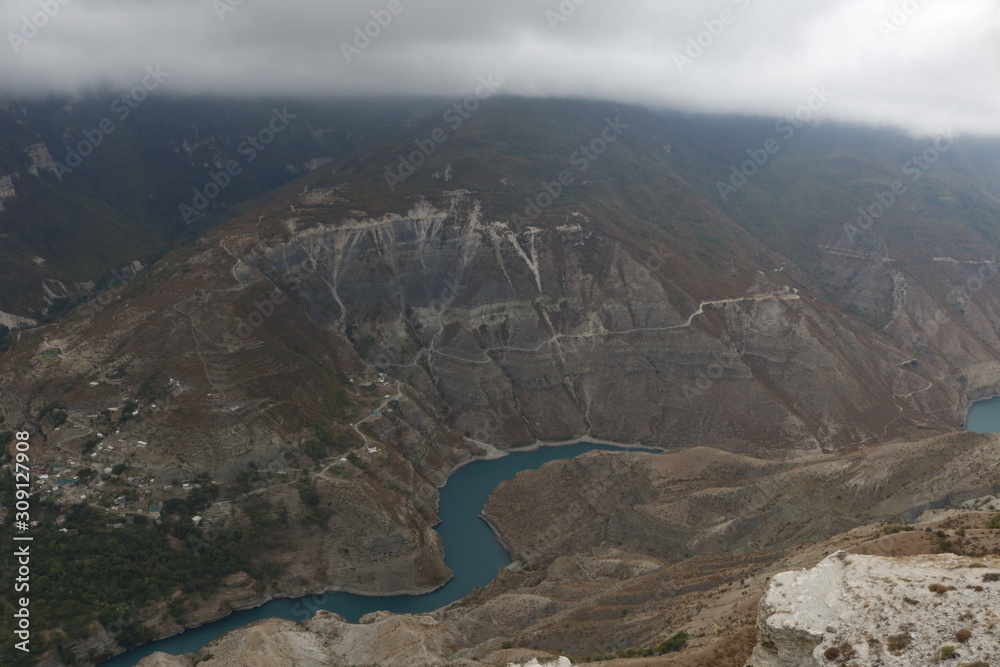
x=896, y=643
x=963, y=635
x=673, y=644
x=309, y=495
x=314, y=449
x=947, y=652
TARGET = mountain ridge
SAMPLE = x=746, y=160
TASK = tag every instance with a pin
x=365, y=341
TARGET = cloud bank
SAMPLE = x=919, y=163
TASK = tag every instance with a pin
x=916, y=64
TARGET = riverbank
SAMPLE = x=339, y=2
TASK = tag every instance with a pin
x=471, y=547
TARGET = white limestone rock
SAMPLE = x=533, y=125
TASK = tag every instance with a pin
x=40, y=159
x=6, y=190
x=873, y=610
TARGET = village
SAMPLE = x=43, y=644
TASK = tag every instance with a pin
x=97, y=472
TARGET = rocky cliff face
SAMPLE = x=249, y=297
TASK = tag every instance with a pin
x=869, y=610
x=517, y=334
x=6, y=189
x=39, y=159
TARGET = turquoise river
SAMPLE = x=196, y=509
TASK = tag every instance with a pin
x=471, y=551
x=984, y=416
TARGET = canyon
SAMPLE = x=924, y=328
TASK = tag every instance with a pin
x=327, y=354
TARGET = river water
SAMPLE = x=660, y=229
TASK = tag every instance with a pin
x=984, y=416
x=471, y=551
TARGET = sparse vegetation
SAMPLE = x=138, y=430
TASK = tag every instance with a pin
x=896, y=528
x=116, y=573
x=896, y=644
x=673, y=644
x=308, y=494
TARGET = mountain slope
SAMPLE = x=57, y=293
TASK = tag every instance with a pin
x=332, y=349
x=91, y=184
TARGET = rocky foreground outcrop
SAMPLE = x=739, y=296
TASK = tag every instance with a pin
x=870, y=610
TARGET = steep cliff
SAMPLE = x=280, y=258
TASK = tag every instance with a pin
x=328, y=354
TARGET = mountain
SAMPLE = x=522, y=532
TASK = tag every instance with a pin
x=477, y=277
x=89, y=185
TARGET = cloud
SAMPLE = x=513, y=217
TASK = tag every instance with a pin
x=916, y=64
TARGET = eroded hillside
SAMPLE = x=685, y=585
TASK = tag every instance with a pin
x=304, y=377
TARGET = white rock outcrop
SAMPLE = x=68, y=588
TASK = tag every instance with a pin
x=873, y=610
x=560, y=662
x=12, y=321
x=40, y=159
x=6, y=190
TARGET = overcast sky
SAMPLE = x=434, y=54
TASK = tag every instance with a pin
x=916, y=65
